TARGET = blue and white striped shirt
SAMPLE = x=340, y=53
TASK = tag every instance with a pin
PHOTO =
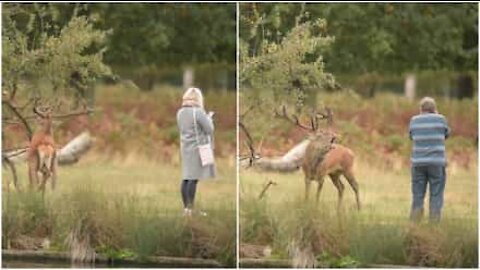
x=428, y=132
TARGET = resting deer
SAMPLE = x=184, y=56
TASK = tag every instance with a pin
x=41, y=154
x=321, y=156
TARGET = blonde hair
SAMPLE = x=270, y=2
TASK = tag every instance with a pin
x=193, y=97
x=427, y=104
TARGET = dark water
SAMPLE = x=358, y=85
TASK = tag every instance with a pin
x=17, y=263
x=7, y=263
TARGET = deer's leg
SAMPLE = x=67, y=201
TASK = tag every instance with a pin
x=45, y=176
x=307, y=187
x=320, y=180
x=32, y=171
x=54, y=171
x=340, y=187
x=354, y=184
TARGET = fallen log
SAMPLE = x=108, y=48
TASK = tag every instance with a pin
x=76, y=148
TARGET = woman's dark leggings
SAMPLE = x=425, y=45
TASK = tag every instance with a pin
x=188, y=189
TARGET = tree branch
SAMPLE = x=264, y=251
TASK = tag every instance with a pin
x=65, y=115
x=270, y=183
x=23, y=120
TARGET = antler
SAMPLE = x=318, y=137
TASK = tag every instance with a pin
x=294, y=119
x=315, y=116
x=328, y=115
x=36, y=110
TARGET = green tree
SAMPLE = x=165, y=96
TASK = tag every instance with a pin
x=377, y=38
x=42, y=58
x=292, y=68
x=387, y=38
x=168, y=34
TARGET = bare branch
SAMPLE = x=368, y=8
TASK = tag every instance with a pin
x=270, y=183
x=13, y=169
x=249, y=141
x=86, y=111
x=55, y=116
x=8, y=153
x=246, y=111
x=22, y=119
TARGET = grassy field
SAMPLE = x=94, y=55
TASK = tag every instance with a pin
x=123, y=198
x=379, y=234
x=377, y=131
x=125, y=207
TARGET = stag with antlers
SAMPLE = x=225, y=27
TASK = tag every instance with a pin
x=41, y=153
x=320, y=155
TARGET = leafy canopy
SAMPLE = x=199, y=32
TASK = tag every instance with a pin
x=292, y=68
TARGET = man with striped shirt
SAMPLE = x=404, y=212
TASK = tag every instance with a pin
x=428, y=131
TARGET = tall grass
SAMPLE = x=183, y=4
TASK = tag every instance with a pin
x=315, y=234
x=125, y=208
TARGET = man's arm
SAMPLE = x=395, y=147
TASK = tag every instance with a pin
x=410, y=130
x=447, y=129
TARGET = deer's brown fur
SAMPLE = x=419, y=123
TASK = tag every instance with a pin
x=337, y=162
x=41, y=155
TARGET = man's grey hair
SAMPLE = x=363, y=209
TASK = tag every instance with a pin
x=427, y=104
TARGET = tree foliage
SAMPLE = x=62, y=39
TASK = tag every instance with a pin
x=142, y=34
x=377, y=37
x=41, y=56
x=162, y=34
x=292, y=68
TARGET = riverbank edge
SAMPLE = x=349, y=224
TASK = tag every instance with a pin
x=151, y=261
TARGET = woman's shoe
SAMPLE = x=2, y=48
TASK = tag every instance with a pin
x=187, y=212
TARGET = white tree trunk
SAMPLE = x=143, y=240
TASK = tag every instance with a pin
x=72, y=152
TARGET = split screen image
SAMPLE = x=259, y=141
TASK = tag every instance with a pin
x=239, y=135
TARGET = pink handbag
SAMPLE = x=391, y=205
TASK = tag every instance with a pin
x=205, y=150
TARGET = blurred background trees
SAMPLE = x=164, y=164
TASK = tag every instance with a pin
x=100, y=55
x=376, y=46
x=149, y=43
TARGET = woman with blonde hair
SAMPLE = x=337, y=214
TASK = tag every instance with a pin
x=196, y=130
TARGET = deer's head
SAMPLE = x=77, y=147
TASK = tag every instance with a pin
x=315, y=133
x=45, y=112
x=44, y=116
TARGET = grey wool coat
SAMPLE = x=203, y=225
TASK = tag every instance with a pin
x=191, y=165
